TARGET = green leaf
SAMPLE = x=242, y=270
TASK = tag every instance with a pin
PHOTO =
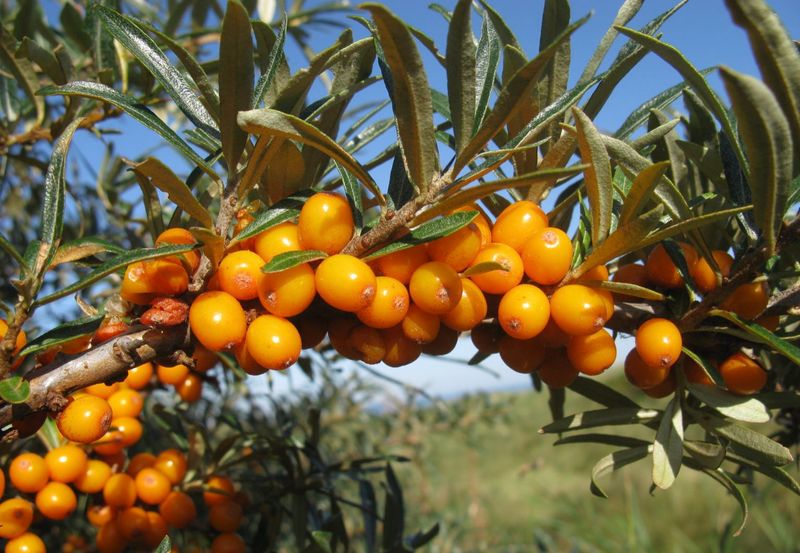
x=14, y=389
x=85, y=326
x=708, y=454
x=165, y=546
x=487, y=58
x=767, y=140
x=427, y=232
x=597, y=176
x=761, y=335
x=134, y=109
x=606, y=439
x=410, y=94
x=164, y=179
x=353, y=193
x=626, y=289
x=285, y=210
x=625, y=13
x=641, y=191
x=745, y=409
x=276, y=57
x=81, y=248
x=615, y=461
x=394, y=512
x=114, y=264
x=485, y=267
x=668, y=447
x=461, y=73
x=144, y=49
x=287, y=260
x=269, y=122
x=235, y=79
x=43, y=58
x=600, y=393
x=707, y=367
x=725, y=481
x=23, y=72
x=7, y=247
x=322, y=540
x=745, y=441
x=601, y=417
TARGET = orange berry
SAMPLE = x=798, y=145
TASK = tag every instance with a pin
x=109, y=539
x=742, y=375
x=517, y=222
x=695, y=374
x=140, y=461
x=642, y=375
x=552, y=336
x=139, y=376
x=133, y=523
x=98, y=515
x=172, y=375
x=556, y=371
x=522, y=356
x=368, y=342
x=547, y=255
x=470, y=310
x=172, y=464
x=632, y=273
x=85, y=419
x=325, y=223
x=26, y=543
x=704, y=276
x=498, y=281
x=157, y=529
x=217, y=320
x=16, y=516
x=666, y=388
x=178, y=509
x=578, y=310
x=110, y=443
x=56, y=501
x=593, y=353
x=598, y=272
x=486, y=337
x=66, y=463
x=420, y=326
x=19, y=343
x=400, y=350
x=191, y=389
x=401, y=265
x=445, y=342
x=120, y=491
x=770, y=322
x=94, y=478
x=246, y=361
x=130, y=428
x=523, y=311
x=435, y=287
x=389, y=306
x=243, y=220
x=457, y=249
x=275, y=240
x=240, y=274
x=339, y=337
x=180, y=236
x=204, y=359
x=102, y=390
x=163, y=278
x=226, y=516
x=218, y=489
x=2, y=482
x=288, y=293
x=661, y=270
x=480, y=220
x=28, y=472
x=273, y=342
x=659, y=342
x=152, y=487
x=126, y=403
x=748, y=300
x=228, y=543
x=345, y=282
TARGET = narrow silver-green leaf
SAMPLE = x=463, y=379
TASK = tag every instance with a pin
x=615, y=461
x=235, y=79
x=600, y=393
x=761, y=335
x=626, y=289
x=597, y=176
x=668, y=447
x=14, y=389
x=287, y=260
x=741, y=408
x=487, y=58
x=81, y=248
x=165, y=546
x=85, y=326
x=7, y=247
x=641, y=191
x=411, y=97
x=625, y=13
x=708, y=454
x=276, y=57
x=484, y=267
x=23, y=72
x=461, y=73
x=767, y=140
x=747, y=442
x=601, y=417
x=427, y=232
x=285, y=210
x=605, y=439
x=725, y=481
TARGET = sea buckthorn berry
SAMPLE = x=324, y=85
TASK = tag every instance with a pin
x=246, y=361
x=19, y=343
x=400, y=350
x=742, y=375
x=28, y=472
x=66, y=463
x=288, y=293
x=642, y=375
x=457, y=249
x=368, y=342
x=486, y=337
x=217, y=320
x=401, y=265
x=659, y=342
x=498, y=281
x=325, y=223
x=191, y=389
x=592, y=354
x=140, y=461
x=228, y=543
x=312, y=330
x=524, y=311
x=770, y=322
x=662, y=271
x=126, y=403
x=598, y=272
x=94, y=478
x=226, y=516
x=156, y=530
x=345, y=282
x=109, y=539
x=120, y=491
x=704, y=276
x=480, y=220
x=178, y=509
x=98, y=515
x=420, y=326
x=85, y=419
x=2, y=482
x=664, y=389
x=172, y=464
x=164, y=278
x=243, y=220
x=608, y=302
x=552, y=336
x=578, y=310
x=172, y=375
x=56, y=501
x=547, y=255
x=275, y=240
x=218, y=489
x=470, y=310
x=240, y=274
x=556, y=371
x=445, y=342
x=389, y=306
x=695, y=374
x=101, y=390
x=133, y=523
x=180, y=236
x=26, y=543
x=748, y=300
x=139, y=377
x=517, y=222
x=16, y=516
x=339, y=337
x=522, y=356
x=632, y=273
x=135, y=287
x=435, y=287
x=273, y=342
x=130, y=428
x=110, y=443
x=204, y=359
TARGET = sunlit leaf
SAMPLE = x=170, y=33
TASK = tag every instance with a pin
x=85, y=326
x=461, y=73
x=668, y=447
x=426, y=232
x=14, y=389
x=597, y=176
x=287, y=260
x=601, y=417
x=745, y=409
x=616, y=461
